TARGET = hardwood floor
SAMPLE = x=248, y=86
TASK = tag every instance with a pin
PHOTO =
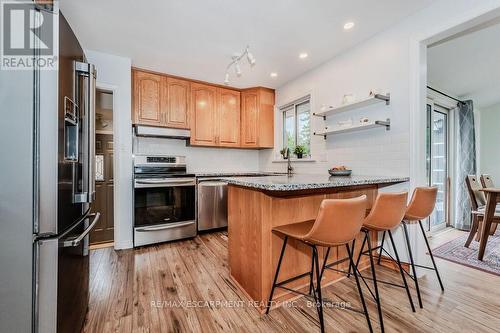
x=155, y=289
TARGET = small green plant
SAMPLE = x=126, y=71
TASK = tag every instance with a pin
x=283, y=152
x=299, y=151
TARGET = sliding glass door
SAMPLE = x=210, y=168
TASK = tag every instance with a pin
x=437, y=162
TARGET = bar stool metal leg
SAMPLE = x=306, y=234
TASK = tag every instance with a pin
x=401, y=271
x=311, y=274
x=319, y=302
x=381, y=248
x=412, y=262
x=374, y=276
x=325, y=259
x=276, y=274
x=360, y=291
x=351, y=266
x=430, y=253
x=361, y=250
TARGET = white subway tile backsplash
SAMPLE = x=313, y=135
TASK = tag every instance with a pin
x=201, y=159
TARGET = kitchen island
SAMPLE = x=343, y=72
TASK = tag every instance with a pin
x=257, y=204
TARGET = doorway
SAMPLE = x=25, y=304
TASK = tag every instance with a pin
x=103, y=233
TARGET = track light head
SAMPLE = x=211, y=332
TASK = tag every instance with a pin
x=250, y=58
x=237, y=69
x=226, y=79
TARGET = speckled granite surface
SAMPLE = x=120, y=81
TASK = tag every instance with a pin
x=307, y=182
x=236, y=174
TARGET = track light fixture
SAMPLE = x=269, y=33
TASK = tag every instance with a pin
x=236, y=62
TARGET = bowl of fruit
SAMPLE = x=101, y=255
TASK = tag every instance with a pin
x=339, y=171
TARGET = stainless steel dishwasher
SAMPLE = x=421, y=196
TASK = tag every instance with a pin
x=212, y=204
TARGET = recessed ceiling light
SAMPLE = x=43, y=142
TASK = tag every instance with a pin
x=303, y=55
x=273, y=74
x=348, y=25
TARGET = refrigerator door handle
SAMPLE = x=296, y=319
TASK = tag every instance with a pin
x=76, y=241
x=91, y=159
x=88, y=73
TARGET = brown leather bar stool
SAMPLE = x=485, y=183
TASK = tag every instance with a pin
x=337, y=224
x=421, y=207
x=385, y=215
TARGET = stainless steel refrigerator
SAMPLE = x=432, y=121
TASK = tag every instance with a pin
x=46, y=189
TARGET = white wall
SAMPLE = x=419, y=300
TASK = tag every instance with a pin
x=113, y=72
x=489, y=136
x=393, y=61
x=382, y=62
x=201, y=159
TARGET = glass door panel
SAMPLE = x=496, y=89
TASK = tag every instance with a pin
x=437, y=162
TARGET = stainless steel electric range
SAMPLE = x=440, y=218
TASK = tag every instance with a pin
x=164, y=199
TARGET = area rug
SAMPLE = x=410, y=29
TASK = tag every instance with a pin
x=455, y=251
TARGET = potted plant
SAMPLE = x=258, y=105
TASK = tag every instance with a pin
x=283, y=153
x=299, y=151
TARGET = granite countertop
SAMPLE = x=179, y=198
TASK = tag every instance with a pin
x=307, y=182
x=237, y=174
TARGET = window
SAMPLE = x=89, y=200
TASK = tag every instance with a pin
x=297, y=125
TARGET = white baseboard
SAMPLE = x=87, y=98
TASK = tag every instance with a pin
x=123, y=245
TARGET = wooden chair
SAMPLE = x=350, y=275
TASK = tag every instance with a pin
x=478, y=202
x=487, y=181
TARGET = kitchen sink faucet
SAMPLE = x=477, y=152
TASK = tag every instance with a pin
x=289, y=169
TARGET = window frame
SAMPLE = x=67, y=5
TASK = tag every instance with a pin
x=294, y=106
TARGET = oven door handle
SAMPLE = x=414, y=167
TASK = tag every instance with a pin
x=163, y=183
x=164, y=227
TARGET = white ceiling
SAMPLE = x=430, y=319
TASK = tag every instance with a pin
x=468, y=66
x=196, y=38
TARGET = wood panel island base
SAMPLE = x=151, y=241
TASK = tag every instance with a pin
x=257, y=204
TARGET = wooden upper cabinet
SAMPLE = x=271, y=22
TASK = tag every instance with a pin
x=160, y=100
x=228, y=107
x=177, y=100
x=203, y=114
x=257, y=118
x=265, y=137
x=146, y=95
x=216, y=116
x=249, y=118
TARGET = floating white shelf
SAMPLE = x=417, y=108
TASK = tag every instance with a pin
x=375, y=99
x=374, y=124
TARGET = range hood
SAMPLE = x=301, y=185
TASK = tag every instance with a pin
x=161, y=132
